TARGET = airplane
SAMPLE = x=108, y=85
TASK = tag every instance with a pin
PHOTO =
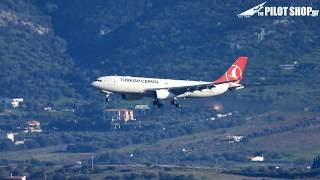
x=136, y=88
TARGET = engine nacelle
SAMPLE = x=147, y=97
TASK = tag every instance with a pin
x=163, y=94
x=132, y=97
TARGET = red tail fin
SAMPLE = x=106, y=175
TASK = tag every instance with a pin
x=234, y=72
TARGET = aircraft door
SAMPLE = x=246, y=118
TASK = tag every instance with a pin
x=114, y=82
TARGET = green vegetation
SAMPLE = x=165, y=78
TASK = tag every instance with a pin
x=275, y=172
x=316, y=162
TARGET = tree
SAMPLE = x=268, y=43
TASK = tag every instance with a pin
x=316, y=162
x=58, y=177
x=6, y=145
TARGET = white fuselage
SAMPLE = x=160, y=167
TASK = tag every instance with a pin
x=141, y=85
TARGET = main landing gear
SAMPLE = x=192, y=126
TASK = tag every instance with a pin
x=175, y=103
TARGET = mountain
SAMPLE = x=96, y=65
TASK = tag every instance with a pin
x=50, y=51
x=170, y=38
x=34, y=62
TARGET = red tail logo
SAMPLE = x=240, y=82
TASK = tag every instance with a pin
x=235, y=72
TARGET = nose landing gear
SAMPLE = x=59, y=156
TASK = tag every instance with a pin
x=107, y=96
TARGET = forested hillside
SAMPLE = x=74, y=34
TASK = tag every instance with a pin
x=170, y=38
x=34, y=61
x=45, y=44
x=127, y=35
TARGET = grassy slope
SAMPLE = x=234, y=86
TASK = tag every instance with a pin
x=297, y=144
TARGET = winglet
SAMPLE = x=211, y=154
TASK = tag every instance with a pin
x=235, y=71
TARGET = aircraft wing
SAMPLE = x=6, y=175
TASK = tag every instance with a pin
x=184, y=89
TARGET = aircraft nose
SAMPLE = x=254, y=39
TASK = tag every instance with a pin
x=94, y=84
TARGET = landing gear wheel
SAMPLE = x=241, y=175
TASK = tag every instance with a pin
x=175, y=102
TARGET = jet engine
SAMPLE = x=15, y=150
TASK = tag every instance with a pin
x=132, y=97
x=163, y=94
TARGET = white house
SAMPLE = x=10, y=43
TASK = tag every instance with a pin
x=235, y=138
x=33, y=126
x=10, y=136
x=257, y=158
x=16, y=102
x=224, y=115
x=49, y=109
x=15, y=178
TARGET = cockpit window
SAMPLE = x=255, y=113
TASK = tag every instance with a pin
x=99, y=80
